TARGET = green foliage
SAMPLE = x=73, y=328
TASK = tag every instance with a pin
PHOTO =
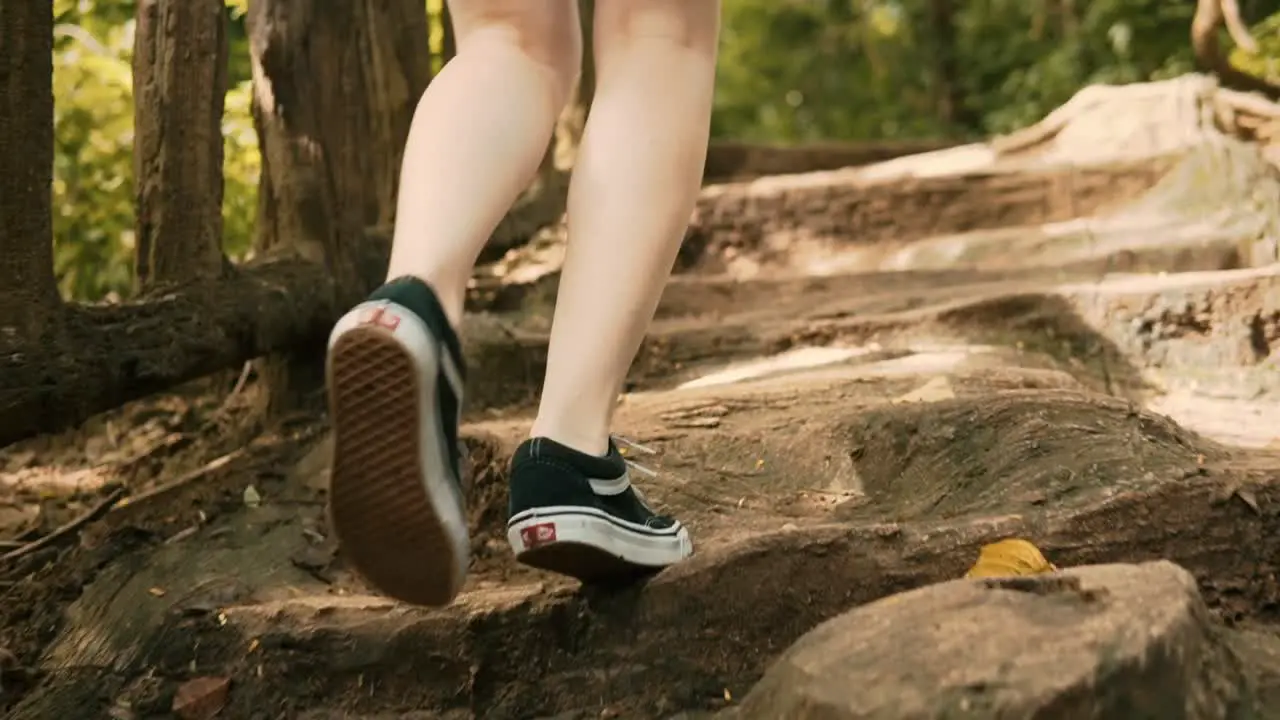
x=796, y=70
x=857, y=69
x=241, y=166
x=93, y=192
x=93, y=154
x=1112, y=41
x=435, y=42
x=1266, y=62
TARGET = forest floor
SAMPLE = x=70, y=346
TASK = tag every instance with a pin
x=836, y=426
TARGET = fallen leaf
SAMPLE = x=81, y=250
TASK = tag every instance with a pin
x=1010, y=557
x=201, y=698
x=251, y=497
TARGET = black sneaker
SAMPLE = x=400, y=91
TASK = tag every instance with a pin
x=579, y=515
x=396, y=377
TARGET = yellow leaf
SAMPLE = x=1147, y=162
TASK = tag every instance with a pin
x=1010, y=557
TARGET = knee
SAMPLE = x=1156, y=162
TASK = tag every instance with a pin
x=547, y=31
x=686, y=24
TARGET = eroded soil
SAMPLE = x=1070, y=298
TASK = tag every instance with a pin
x=835, y=429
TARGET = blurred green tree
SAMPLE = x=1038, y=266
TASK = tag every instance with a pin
x=790, y=71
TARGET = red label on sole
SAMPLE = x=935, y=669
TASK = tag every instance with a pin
x=540, y=534
x=381, y=318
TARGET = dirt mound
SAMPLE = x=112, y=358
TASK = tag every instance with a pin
x=941, y=460
x=268, y=605
x=1109, y=641
x=830, y=441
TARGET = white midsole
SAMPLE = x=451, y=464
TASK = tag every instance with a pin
x=583, y=526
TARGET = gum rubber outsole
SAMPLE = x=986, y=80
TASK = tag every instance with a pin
x=379, y=508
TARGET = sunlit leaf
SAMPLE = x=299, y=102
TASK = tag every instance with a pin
x=1010, y=557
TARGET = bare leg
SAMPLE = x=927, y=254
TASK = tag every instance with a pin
x=396, y=372
x=478, y=134
x=633, y=190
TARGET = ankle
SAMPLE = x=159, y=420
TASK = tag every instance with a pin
x=450, y=297
x=592, y=444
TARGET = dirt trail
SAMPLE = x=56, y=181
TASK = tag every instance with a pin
x=837, y=425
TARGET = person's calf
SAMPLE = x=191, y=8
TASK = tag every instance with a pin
x=633, y=189
x=478, y=135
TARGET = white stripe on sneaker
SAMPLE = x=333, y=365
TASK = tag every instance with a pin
x=616, y=486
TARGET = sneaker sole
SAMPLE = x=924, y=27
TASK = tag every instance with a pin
x=591, y=548
x=381, y=493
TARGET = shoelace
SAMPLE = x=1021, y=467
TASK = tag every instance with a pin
x=633, y=445
x=629, y=445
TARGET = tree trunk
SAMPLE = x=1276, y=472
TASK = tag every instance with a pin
x=448, y=40
x=99, y=357
x=949, y=93
x=335, y=86
x=180, y=87
x=28, y=292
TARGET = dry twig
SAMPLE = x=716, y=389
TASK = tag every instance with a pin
x=67, y=529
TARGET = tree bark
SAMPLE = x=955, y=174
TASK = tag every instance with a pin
x=105, y=356
x=180, y=87
x=335, y=87
x=28, y=291
x=448, y=40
